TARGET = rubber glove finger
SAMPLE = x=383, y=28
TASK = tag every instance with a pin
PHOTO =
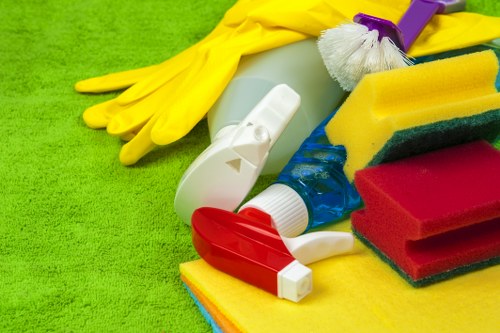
x=122, y=119
x=190, y=109
x=114, y=81
x=203, y=87
x=151, y=83
x=139, y=145
x=99, y=115
x=134, y=115
x=131, y=119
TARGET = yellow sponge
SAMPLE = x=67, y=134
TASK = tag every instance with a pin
x=403, y=112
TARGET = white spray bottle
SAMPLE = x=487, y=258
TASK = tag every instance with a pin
x=298, y=65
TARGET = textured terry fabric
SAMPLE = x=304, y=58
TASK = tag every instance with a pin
x=355, y=293
x=86, y=244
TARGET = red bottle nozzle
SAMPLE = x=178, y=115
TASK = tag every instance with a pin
x=245, y=247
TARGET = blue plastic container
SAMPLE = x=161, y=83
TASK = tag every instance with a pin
x=316, y=173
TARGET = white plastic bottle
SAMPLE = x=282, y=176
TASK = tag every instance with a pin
x=298, y=65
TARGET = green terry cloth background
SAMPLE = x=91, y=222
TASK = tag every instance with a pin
x=86, y=244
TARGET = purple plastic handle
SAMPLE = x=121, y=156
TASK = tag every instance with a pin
x=385, y=28
x=413, y=21
x=416, y=18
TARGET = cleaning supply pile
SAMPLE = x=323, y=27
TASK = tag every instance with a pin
x=163, y=102
x=411, y=143
x=432, y=198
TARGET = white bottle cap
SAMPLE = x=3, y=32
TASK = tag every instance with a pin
x=294, y=281
x=286, y=208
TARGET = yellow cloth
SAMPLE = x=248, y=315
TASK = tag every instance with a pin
x=224, y=324
x=166, y=101
x=356, y=293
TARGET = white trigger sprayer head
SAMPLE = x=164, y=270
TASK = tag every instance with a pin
x=223, y=174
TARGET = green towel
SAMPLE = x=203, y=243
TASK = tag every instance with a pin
x=86, y=244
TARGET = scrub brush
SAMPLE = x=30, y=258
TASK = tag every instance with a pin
x=371, y=44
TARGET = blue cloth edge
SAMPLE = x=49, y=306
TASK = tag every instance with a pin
x=203, y=310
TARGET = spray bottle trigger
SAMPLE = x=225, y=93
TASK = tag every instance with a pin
x=316, y=246
x=226, y=171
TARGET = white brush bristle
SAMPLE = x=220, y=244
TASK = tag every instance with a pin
x=351, y=50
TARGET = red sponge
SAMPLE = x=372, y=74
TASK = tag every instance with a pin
x=433, y=215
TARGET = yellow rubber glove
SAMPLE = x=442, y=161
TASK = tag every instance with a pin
x=166, y=101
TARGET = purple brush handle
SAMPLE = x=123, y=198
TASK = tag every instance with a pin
x=385, y=28
x=416, y=18
x=413, y=21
